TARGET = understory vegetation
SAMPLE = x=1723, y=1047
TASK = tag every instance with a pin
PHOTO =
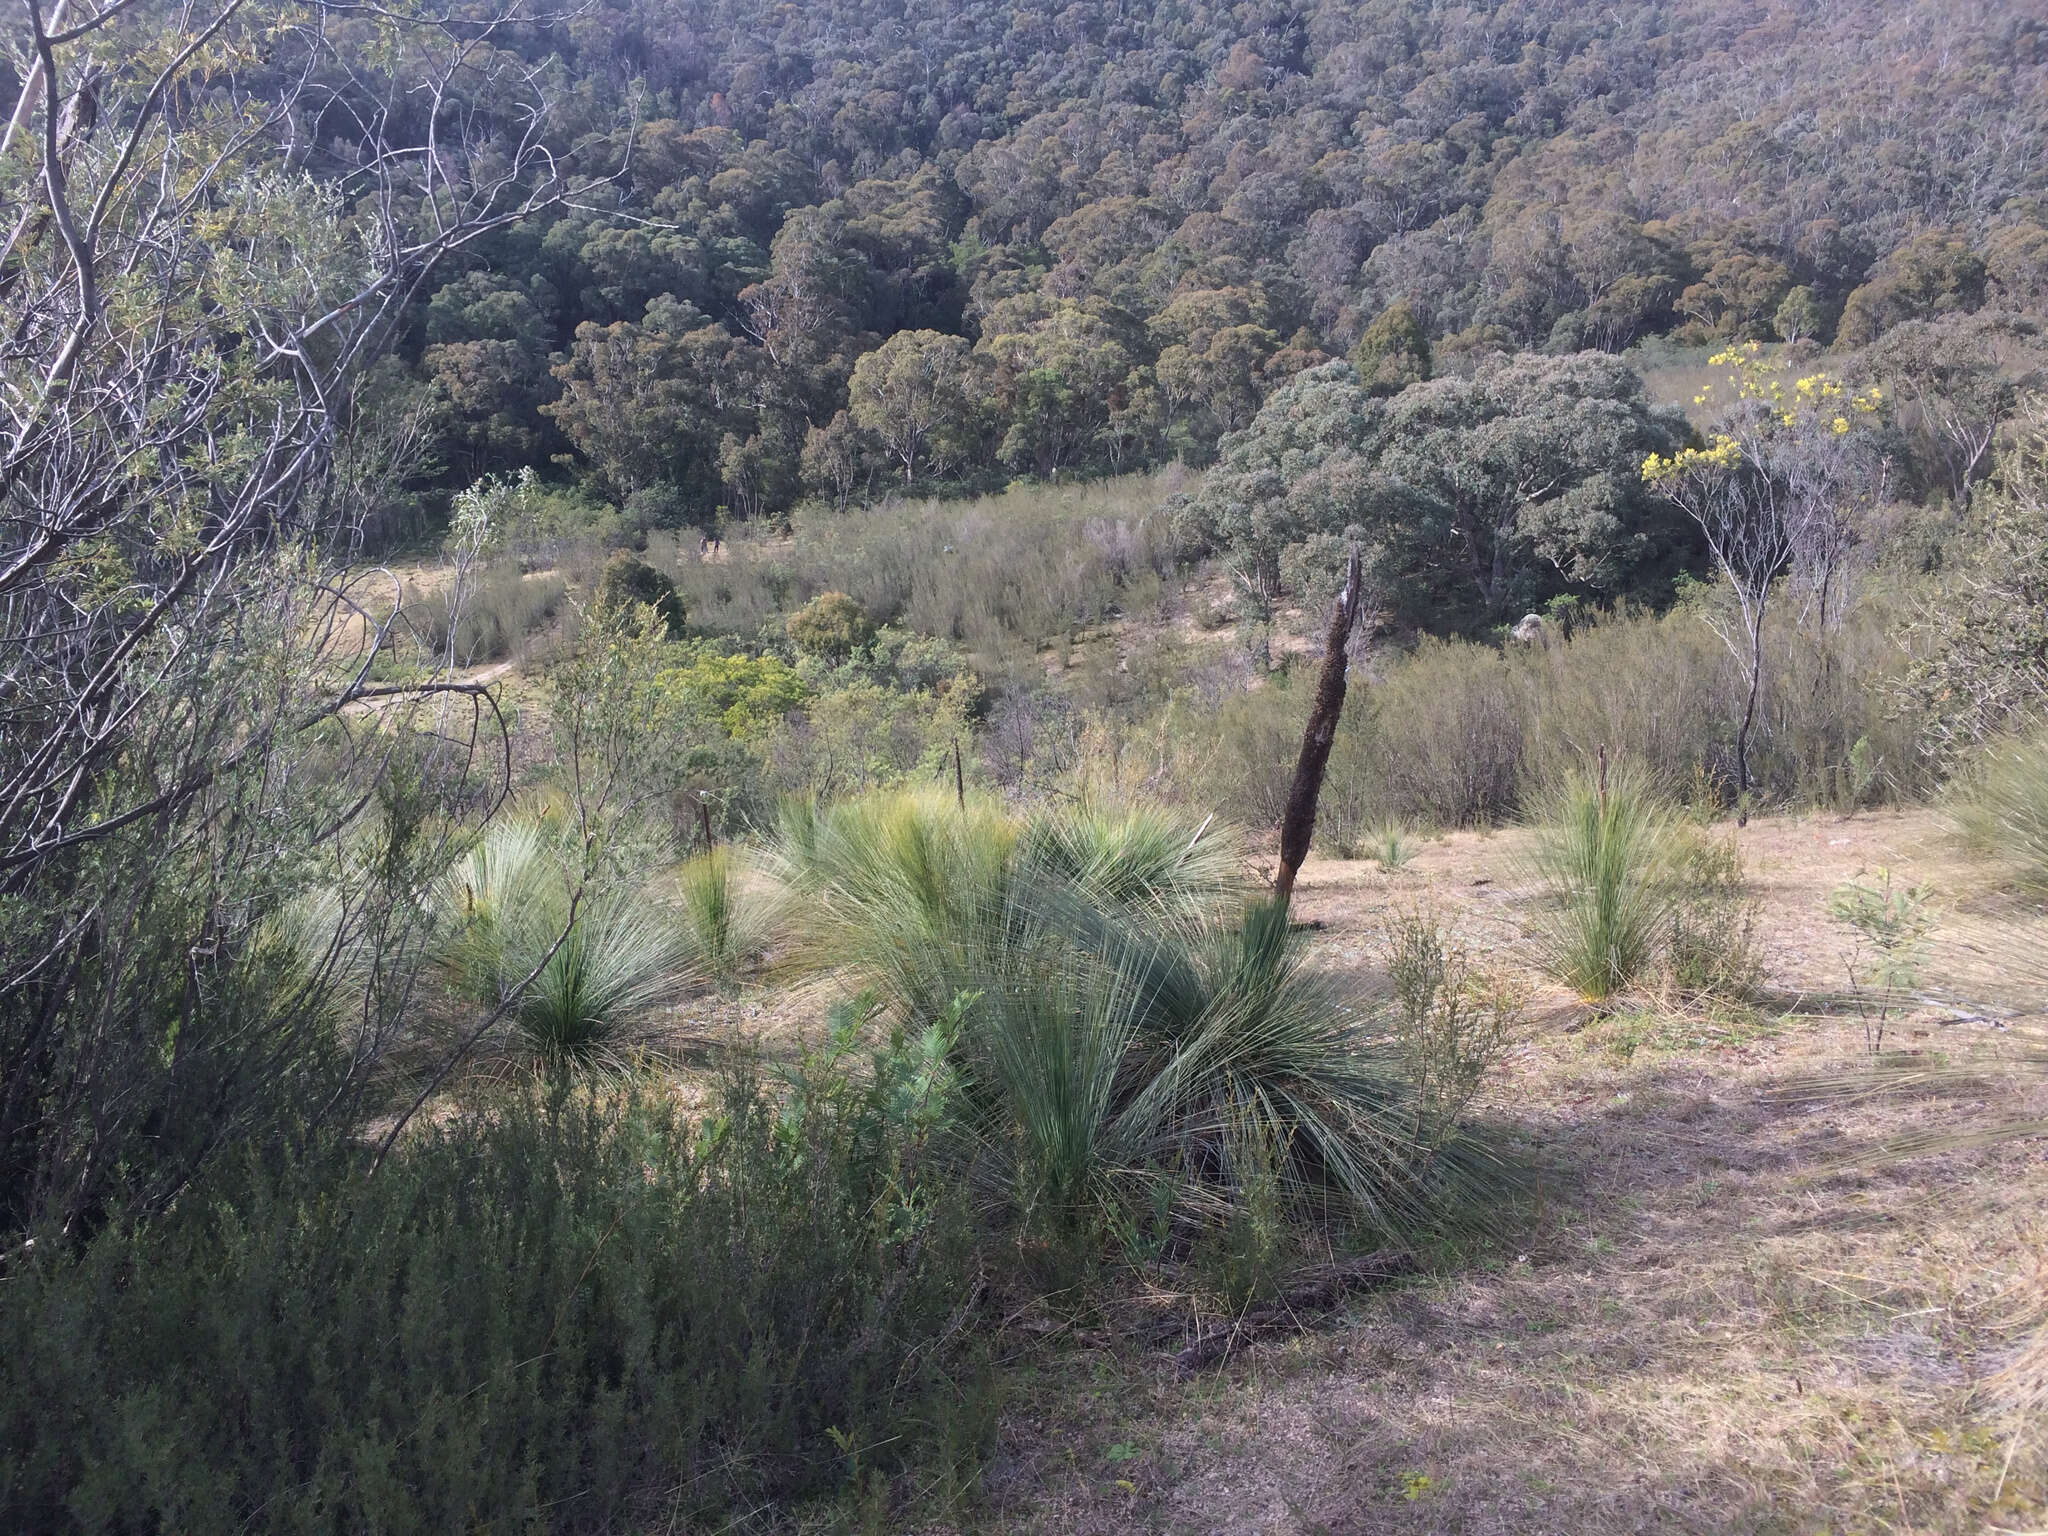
x=1135, y=1050
x=649, y=660
x=551, y=1308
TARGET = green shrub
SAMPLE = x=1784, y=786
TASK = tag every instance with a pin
x=831, y=625
x=1128, y=1030
x=861, y=736
x=745, y=694
x=729, y=911
x=503, y=912
x=531, y=521
x=626, y=579
x=1604, y=852
x=551, y=1317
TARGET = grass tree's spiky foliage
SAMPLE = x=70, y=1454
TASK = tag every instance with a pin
x=615, y=966
x=1605, y=852
x=604, y=953
x=483, y=901
x=730, y=914
x=1191, y=1052
x=2003, y=810
x=1388, y=844
x=1131, y=1030
x=1133, y=856
x=905, y=890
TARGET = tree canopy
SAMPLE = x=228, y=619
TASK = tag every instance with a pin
x=1141, y=223
x=1478, y=497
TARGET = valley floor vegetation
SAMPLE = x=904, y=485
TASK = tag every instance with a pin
x=458, y=1078
x=643, y=706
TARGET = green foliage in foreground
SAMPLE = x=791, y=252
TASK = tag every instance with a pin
x=1139, y=1053
x=555, y=1317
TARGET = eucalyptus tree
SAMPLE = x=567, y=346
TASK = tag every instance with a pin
x=211, y=808
x=1473, y=497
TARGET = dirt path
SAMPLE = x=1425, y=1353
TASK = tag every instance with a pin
x=1720, y=1322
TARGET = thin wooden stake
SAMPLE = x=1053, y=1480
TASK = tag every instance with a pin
x=959, y=778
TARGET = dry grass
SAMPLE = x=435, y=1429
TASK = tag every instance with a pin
x=1718, y=1322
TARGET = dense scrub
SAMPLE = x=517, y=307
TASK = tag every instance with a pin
x=548, y=1314
x=1458, y=733
x=342, y=982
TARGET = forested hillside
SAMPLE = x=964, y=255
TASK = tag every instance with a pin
x=863, y=245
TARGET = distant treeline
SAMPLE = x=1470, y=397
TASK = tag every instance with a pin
x=860, y=245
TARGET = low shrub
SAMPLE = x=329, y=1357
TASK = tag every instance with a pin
x=626, y=578
x=555, y=1317
x=999, y=575
x=1453, y=1020
x=1713, y=946
x=1604, y=851
x=830, y=624
x=2002, y=807
x=1445, y=733
x=1457, y=733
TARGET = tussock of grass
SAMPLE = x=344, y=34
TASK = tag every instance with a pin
x=730, y=912
x=1605, y=852
x=501, y=910
x=2003, y=810
x=1388, y=844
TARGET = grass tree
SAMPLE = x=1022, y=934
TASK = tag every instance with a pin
x=1605, y=854
x=1130, y=1040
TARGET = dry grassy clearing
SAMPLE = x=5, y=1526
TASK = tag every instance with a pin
x=1718, y=1322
